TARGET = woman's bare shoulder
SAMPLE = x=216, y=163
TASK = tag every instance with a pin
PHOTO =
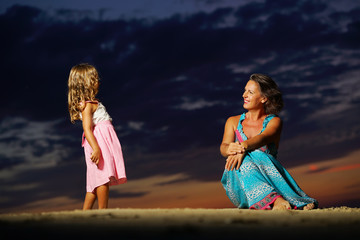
x=233, y=120
x=275, y=121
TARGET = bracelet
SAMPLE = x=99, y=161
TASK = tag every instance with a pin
x=245, y=147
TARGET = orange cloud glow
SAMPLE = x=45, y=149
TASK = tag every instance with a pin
x=330, y=182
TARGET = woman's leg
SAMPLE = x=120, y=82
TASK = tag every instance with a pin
x=102, y=193
x=89, y=200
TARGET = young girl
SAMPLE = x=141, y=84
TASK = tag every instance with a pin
x=103, y=154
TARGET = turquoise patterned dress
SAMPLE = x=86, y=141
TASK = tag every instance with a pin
x=261, y=179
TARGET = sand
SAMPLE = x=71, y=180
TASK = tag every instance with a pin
x=336, y=223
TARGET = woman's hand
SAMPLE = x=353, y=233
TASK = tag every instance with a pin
x=95, y=156
x=235, y=148
x=234, y=160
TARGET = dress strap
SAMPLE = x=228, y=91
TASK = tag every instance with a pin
x=242, y=117
x=81, y=104
x=267, y=120
x=239, y=130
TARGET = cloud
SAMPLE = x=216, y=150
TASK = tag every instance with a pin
x=27, y=145
x=138, y=60
x=135, y=125
x=197, y=104
x=173, y=191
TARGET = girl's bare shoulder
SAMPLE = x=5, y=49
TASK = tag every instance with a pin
x=90, y=106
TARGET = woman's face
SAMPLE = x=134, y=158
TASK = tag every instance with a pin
x=253, y=99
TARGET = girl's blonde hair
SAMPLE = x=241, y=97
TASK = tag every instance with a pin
x=83, y=86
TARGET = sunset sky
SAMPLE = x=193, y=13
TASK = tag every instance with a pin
x=172, y=72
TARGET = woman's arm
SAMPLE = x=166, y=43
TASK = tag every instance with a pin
x=87, y=114
x=228, y=145
x=271, y=134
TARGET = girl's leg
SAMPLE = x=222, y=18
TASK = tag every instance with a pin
x=102, y=193
x=89, y=200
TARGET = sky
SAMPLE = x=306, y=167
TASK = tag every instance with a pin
x=171, y=73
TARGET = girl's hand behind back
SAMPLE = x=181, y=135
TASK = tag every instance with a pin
x=95, y=156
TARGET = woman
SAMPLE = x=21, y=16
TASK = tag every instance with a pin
x=253, y=178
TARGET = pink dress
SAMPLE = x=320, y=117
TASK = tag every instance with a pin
x=111, y=168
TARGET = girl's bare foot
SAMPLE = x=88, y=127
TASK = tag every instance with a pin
x=281, y=204
x=309, y=206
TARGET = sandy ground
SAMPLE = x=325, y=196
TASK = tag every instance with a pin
x=336, y=223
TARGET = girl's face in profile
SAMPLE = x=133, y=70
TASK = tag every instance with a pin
x=253, y=98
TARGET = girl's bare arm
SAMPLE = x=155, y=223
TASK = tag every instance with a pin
x=87, y=114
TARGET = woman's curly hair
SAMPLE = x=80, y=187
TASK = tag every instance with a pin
x=270, y=90
x=83, y=85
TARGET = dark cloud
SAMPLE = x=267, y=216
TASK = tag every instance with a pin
x=170, y=85
x=42, y=183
